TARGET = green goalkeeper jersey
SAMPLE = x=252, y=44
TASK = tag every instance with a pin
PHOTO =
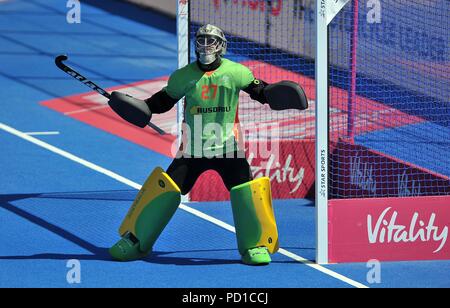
x=211, y=106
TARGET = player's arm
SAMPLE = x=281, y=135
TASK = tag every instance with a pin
x=256, y=90
x=165, y=99
x=161, y=102
x=279, y=96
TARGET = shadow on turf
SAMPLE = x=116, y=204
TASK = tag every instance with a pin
x=98, y=253
x=155, y=257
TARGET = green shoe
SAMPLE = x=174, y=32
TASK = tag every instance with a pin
x=256, y=256
x=127, y=249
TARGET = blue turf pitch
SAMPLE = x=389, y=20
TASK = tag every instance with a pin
x=53, y=209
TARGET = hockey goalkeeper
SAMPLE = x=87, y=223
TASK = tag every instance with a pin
x=211, y=87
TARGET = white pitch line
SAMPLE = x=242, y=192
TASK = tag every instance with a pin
x=281, y=250
x=69, y=156
x=85, y=110
x=41, y=133
x=184, y=207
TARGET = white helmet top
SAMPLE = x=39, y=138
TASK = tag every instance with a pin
x=210, y=43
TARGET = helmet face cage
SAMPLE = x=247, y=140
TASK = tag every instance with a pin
x=207, y=44
x=210, y=43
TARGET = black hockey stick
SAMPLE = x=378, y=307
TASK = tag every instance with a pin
x=59, y=63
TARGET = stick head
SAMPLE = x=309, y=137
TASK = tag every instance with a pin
x=60, y=59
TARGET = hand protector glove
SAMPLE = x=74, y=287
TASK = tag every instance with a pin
x=130, y=109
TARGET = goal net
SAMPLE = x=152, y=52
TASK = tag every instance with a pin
x=374, y=146
x=388, y=125
x=275, y=39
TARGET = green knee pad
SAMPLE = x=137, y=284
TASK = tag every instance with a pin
x=152, y=209
x=253, y=215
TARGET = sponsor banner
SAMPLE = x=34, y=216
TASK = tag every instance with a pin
x=291, y=171
x=362, y=172
x=389, y=229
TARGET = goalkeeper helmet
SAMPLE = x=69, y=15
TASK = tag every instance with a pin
x=210, y=44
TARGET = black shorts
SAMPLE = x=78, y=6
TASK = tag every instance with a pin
x=233, y=171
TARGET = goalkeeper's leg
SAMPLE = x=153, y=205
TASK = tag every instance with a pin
x=154, y=206
x=254, y=219
x=256, y=229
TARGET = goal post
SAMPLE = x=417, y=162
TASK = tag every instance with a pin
x=321, y=171
x=383, y=130
x=183, y=52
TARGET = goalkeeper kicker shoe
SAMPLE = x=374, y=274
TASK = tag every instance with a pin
x=127, y=249
x=256, y=256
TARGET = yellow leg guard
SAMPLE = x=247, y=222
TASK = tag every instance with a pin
x=152, y=209
x=253, y=215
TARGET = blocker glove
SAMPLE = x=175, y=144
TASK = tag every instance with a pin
x=281, y=95
x=286, y=95
x=130, y=109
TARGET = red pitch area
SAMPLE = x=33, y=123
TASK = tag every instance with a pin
x=92, y=108
x=291, y=169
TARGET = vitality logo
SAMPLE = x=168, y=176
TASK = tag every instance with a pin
x=388, y=230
